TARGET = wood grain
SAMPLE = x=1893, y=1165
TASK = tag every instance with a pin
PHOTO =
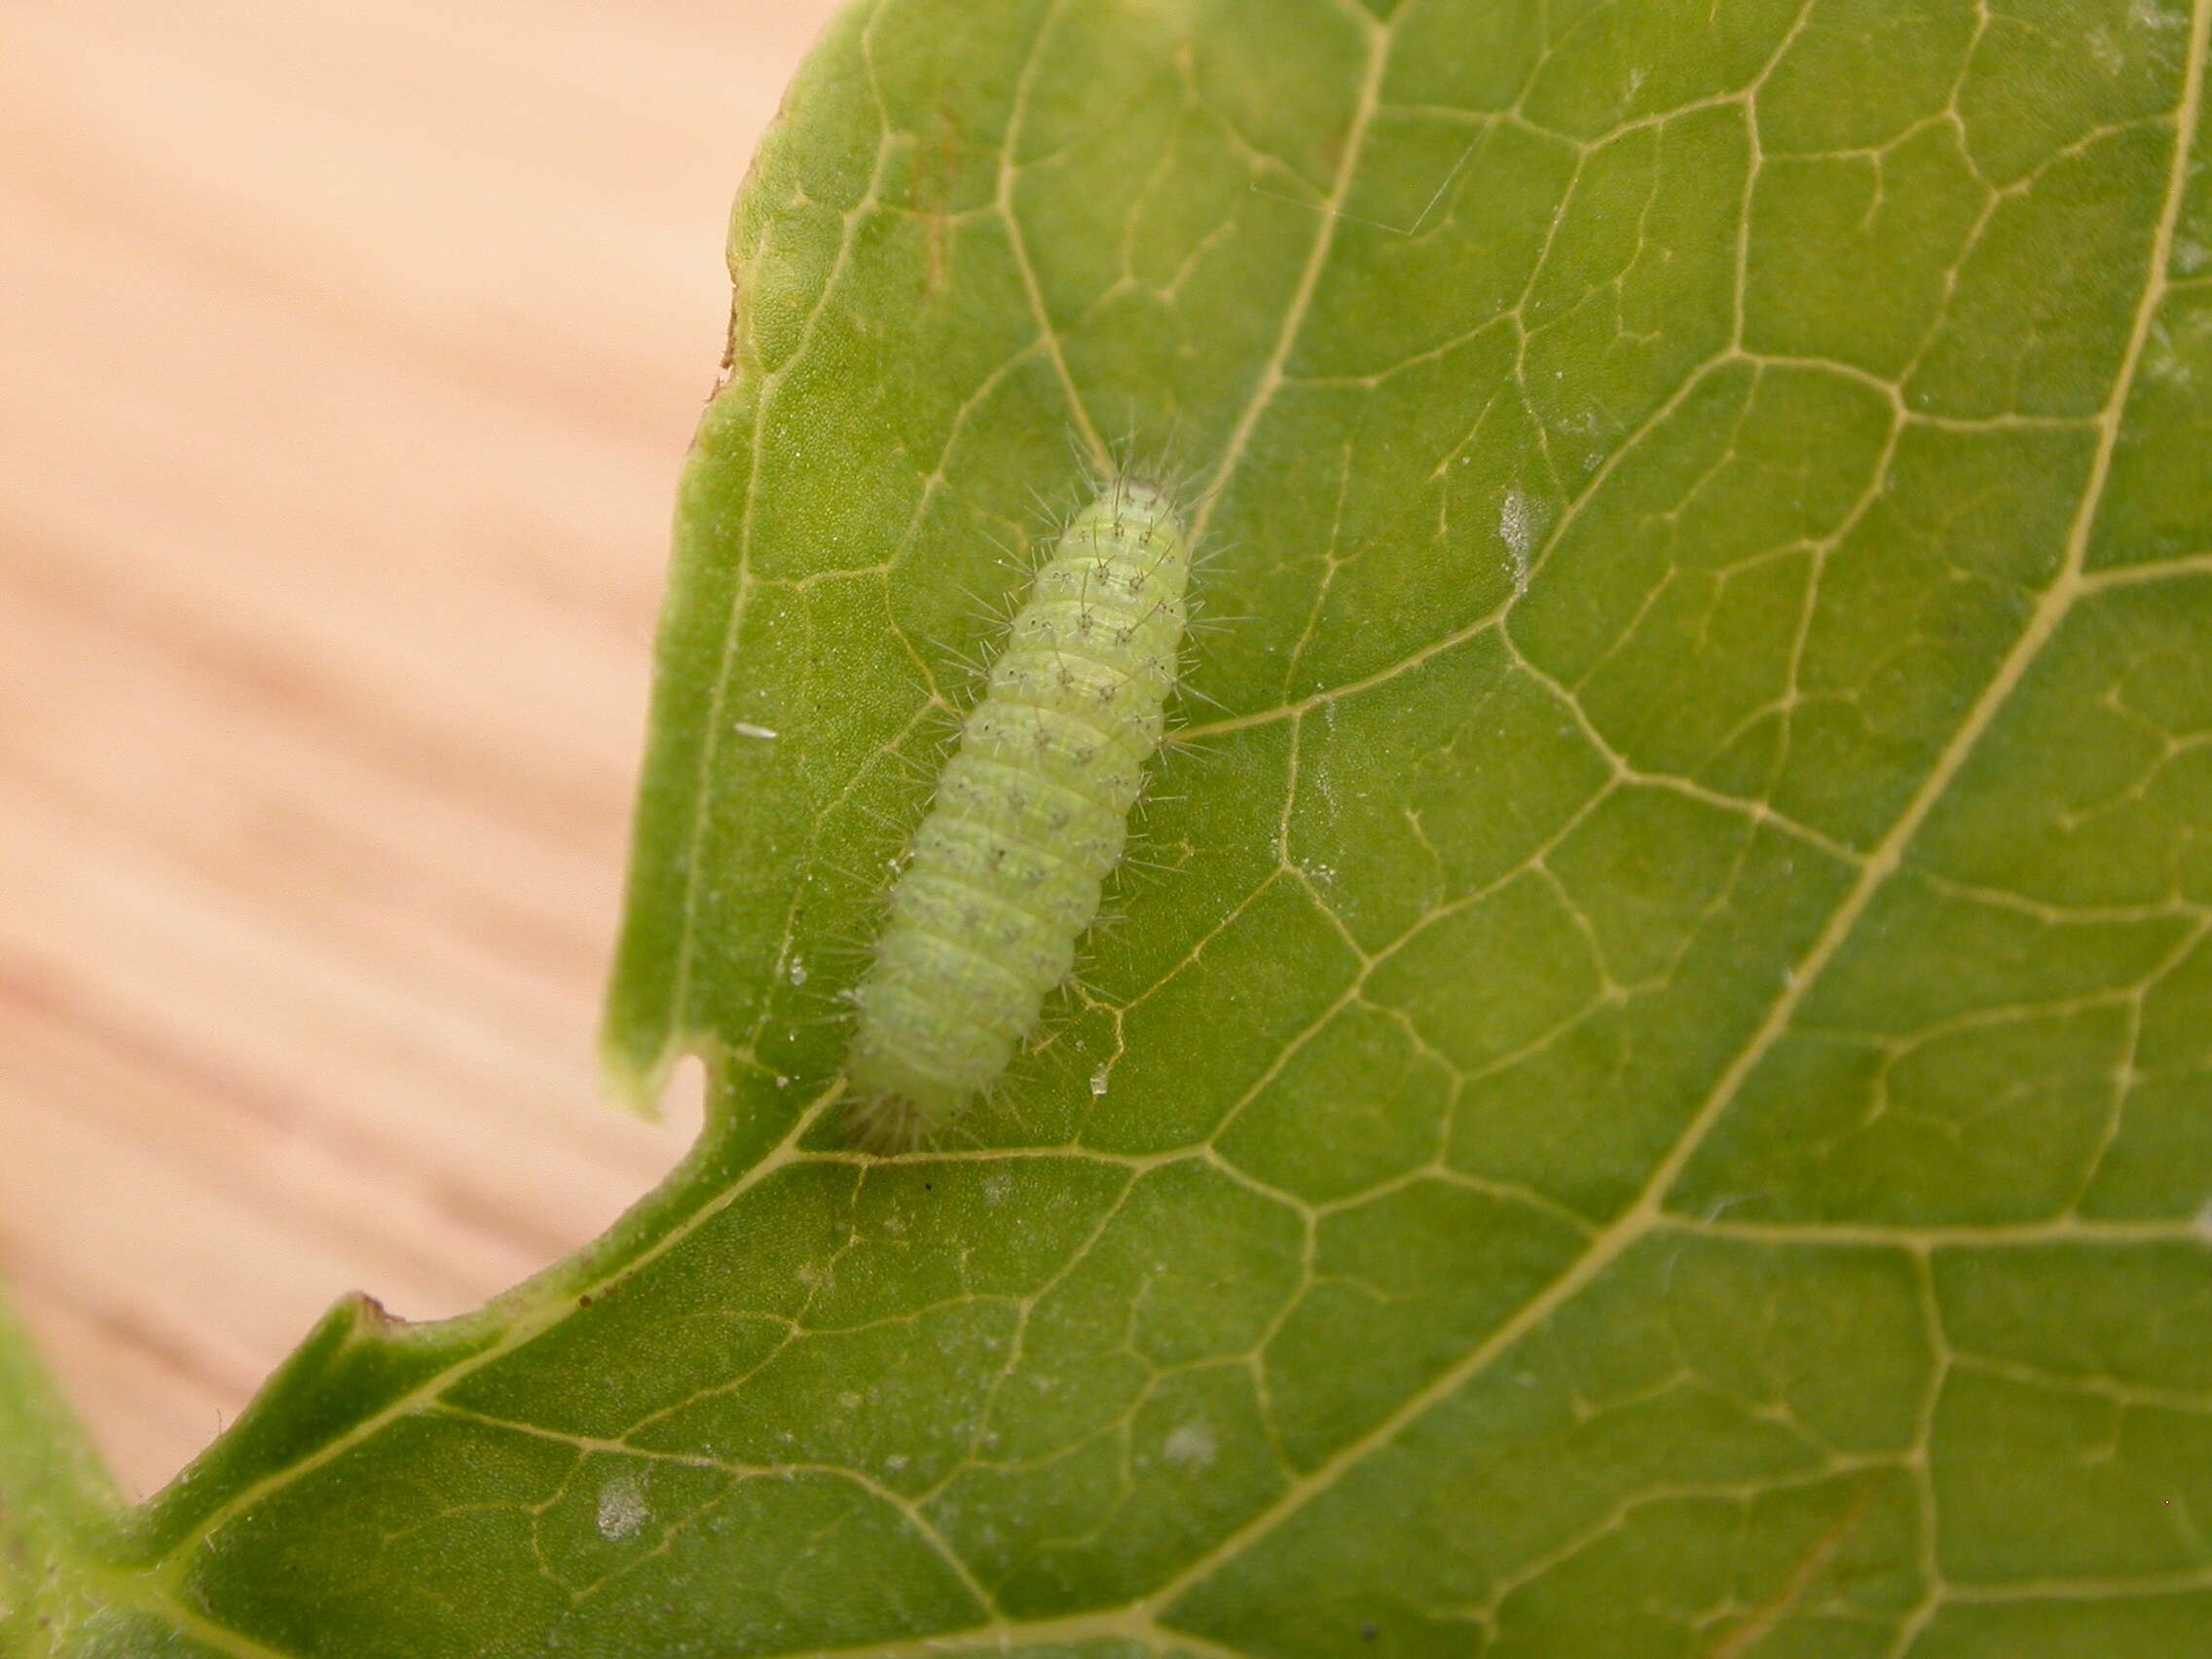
x=350, y=355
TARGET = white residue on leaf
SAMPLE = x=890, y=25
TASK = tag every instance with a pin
x=2191, y=257
x=2174, y=364
x=1323, y=775
x=621, y=1507
x=796, y=972
x=1098, y=1080
x=1519, y=520
x=997, y=1189
x=1191, y=1446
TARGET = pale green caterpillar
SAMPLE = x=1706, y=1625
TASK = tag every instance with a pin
x=1029, y=816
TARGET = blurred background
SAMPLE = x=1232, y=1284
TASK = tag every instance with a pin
x=349, y=356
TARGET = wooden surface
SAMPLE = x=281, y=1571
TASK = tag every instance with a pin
x=349, y=354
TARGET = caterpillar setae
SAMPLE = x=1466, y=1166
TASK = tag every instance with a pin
x=1029, y=816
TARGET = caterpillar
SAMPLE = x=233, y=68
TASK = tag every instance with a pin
x=1029, y=816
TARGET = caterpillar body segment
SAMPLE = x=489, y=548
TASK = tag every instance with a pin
x=1028, y=819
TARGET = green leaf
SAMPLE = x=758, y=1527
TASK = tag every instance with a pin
x=58, y=1507
x=1654, y=1095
